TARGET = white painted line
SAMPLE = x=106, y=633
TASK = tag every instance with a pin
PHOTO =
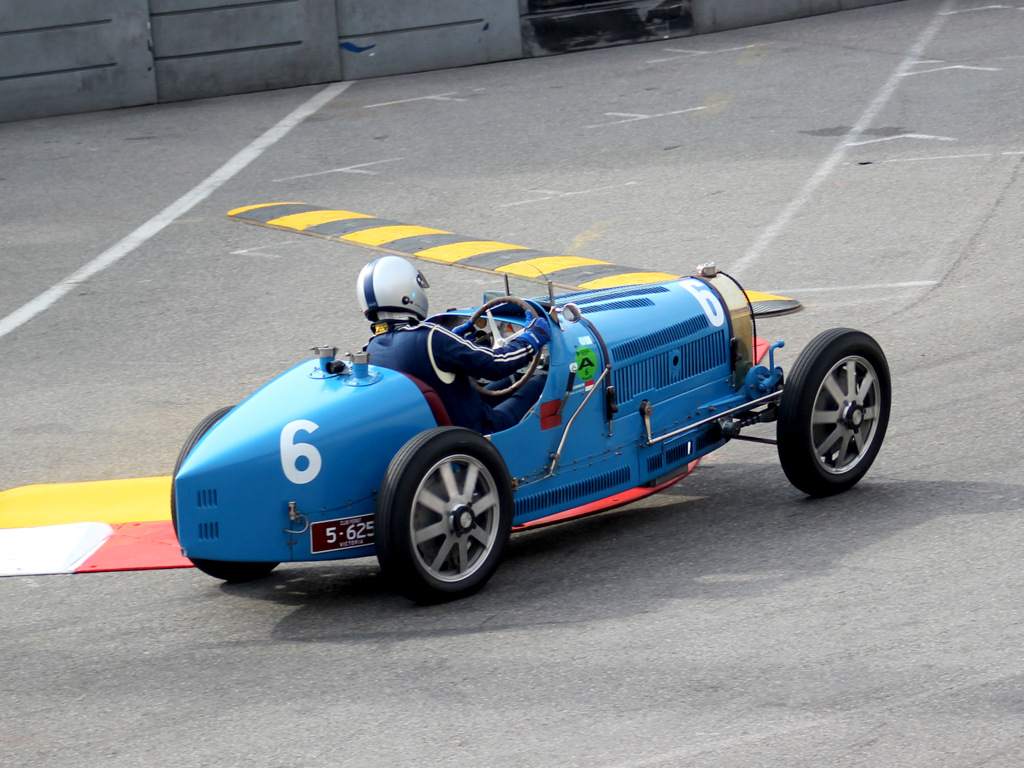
x=901, y=136
x=632, y=117
x=952, y=66
x=982, y=8
x=266, y=251
x=687, y=53
x=358, y=168
x=940, y=157
x=435, y=97
x=838, y=154
x=550, y=194
x=1010, y=153
x=174, y=211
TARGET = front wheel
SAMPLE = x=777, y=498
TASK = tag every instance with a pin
x=444, y=515
x=834, y=412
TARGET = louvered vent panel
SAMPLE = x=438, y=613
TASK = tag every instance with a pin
x=659, y=339
x=565, y=495
x=704, y=354
x=207, y=498
x=209, y=531
x=695, y=358
x=710, y=437
x=590, y=298
x=621, y=304
x=677, y=452
x=644, y=376
x=654, y=463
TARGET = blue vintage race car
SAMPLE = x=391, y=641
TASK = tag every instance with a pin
x=341, y=459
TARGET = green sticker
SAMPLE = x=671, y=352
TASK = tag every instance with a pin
x=586, y=363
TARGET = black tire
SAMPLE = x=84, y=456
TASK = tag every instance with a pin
x=444, y=515
x=834, y=412
x=233, y=572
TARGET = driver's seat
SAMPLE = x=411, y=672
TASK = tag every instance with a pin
x=433, y=400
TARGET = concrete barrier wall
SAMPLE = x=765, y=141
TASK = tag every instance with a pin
x=60, y=56
x=400, y=36
x=207, y=48
x=719, y=15
x=63, y=56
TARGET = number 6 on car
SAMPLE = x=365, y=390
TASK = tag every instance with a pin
x=294, y=453
x=708, y=301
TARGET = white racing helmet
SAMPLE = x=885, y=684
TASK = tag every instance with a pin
x=392, y=284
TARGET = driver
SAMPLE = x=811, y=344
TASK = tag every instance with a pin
x=392, y=294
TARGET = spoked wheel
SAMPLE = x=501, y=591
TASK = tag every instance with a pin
x=444, y=514
x=233, y=572
x=834, y=412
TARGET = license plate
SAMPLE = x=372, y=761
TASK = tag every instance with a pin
x=332, y=535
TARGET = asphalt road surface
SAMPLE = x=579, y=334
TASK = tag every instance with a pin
x=868, y=163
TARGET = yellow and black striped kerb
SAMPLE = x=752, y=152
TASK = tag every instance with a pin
x=441, y=247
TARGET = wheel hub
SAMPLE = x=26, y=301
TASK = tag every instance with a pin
x=853, y=416
x=463, y=519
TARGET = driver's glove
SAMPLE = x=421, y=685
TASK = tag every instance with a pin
x=538, y=332
x=461, y=330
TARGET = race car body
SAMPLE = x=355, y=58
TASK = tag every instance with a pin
x=335, y=460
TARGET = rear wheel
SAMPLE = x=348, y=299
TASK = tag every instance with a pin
x=834, y=412
x=233, y=572
x=444, y=515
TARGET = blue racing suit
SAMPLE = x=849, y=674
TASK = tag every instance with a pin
x=408, y=346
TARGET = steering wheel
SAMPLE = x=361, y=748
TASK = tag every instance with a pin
x=497, y=341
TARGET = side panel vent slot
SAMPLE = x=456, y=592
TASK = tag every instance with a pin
x=643, y=344
x=589, y=297
x=207, y=498
x=679, y=452
x=569, y=493
x=708, y=438
x=704, y=354
x=659, y=371
x=644, y=376
x=621, y=304
x=655, y=463
x=209, y=531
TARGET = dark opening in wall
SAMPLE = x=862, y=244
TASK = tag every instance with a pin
x=561, y=26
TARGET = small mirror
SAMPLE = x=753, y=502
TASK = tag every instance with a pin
x=571, y=313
